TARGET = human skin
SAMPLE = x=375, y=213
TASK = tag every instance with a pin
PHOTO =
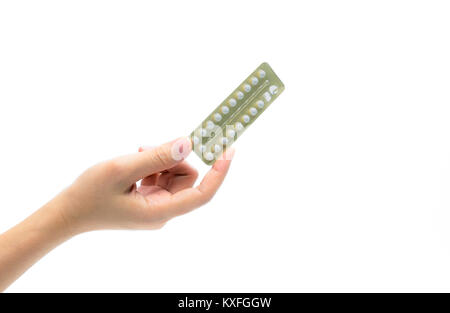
x=106, y=196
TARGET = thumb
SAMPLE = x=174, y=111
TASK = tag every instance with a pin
x=142, y=164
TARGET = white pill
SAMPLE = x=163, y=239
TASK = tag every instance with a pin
x=253, y=111
x=202, y=132
x=273, y=89
x=231, y=133
x=209, y=156
x=196, y=140
x=240, y=95
x=202, y=148
x=225, y=109
x=217, y=117
x=209, y=125
x=261, y=74
x=239, y=126
x=254, y=80
x=232, y=102
x=246, y=118
x=260, y=104
x=217, y=148
x=267, y=96
x=224, y=140
x=247, y=88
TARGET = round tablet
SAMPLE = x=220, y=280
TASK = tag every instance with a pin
x=231, y=133
x=267, y=96
x=202, y=148
x=239, y=126
x=225, y=109
x=254, y=80
x=224, y=140
x=273, y=89
x=260, y=104
x=246, y=118
x=202, y=132
x=196, y=140
x=209, y=125
x=247, y=88
x=240, y=95
x=232, y=102
x=253, y=111
x=209, y=156
x=217, y=148
x=261, y=74
x=217, y=117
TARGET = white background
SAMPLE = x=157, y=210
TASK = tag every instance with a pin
x=342, y=185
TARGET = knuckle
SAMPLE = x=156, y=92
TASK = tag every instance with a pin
x=114, y=167
x=100, y=171
x=162, y=157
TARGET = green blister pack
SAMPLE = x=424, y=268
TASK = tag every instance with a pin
x=236, y=113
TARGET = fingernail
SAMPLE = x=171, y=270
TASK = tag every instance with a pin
x=181, y=148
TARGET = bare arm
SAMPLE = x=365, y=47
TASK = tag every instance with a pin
x=106, y=197
x=27, y=242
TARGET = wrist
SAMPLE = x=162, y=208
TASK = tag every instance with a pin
x=55, y=217
x=24, y=244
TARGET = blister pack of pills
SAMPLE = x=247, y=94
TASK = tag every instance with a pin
x=236, y=113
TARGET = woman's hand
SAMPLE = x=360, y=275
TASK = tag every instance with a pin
x=106, y=196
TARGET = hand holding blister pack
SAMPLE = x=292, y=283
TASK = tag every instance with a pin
x=236, y=113
x=142, y=190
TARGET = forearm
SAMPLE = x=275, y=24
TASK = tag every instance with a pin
x=26, y=243
x=106, y=197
